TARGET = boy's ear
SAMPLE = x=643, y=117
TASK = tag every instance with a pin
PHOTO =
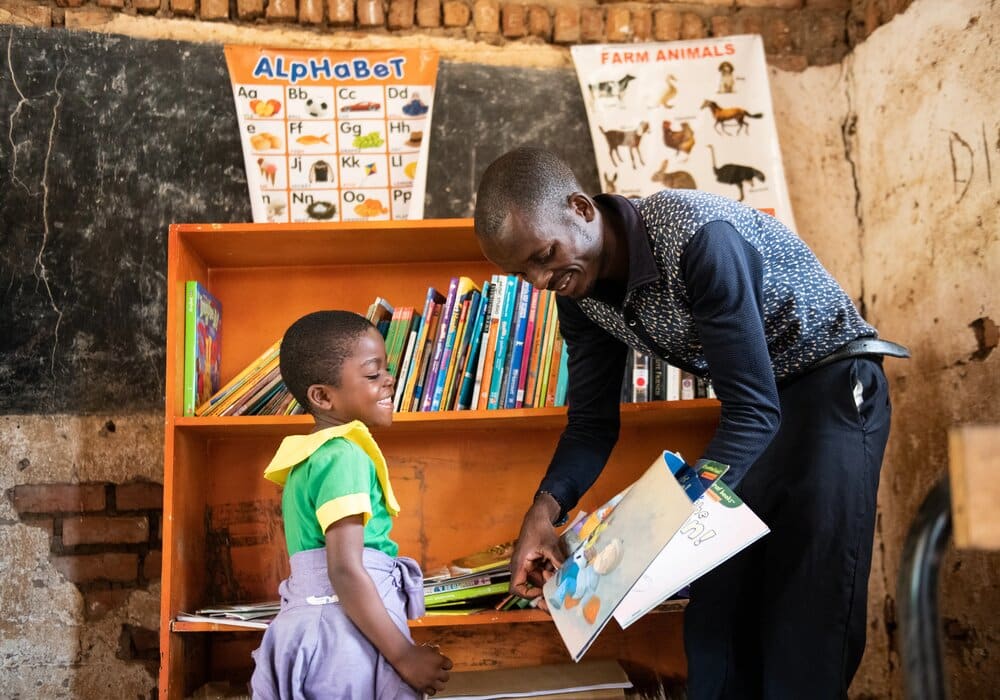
x=320, y=396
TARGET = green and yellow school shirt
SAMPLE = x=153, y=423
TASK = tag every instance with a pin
x=329, y=475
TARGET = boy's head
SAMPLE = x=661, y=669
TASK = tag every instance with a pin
x=334, y=364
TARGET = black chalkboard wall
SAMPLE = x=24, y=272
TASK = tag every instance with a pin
x=112, y=138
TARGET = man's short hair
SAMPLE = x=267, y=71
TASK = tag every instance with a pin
x=527, y=179
x=314, y=348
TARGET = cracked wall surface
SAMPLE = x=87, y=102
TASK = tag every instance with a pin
x=927, y=154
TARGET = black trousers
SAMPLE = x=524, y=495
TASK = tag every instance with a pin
x=786, y=617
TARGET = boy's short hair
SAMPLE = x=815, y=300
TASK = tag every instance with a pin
x=527, y=179
x=314, y=348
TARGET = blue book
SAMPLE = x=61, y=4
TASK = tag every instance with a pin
x=563, y=378
x=464, y=398
x=503, y=335
x=520, y=327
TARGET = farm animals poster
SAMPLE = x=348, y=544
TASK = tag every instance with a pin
x=686, y=115
x=334, y=135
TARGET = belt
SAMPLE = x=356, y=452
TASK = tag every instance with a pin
x=855, y=348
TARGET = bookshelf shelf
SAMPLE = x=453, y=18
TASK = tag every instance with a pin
x=487, y=617
x=464, y=478
x=632, y=415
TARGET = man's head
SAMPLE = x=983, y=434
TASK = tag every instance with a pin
x=334, y=364
x=532, y=220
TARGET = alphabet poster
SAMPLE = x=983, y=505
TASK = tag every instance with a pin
x=685, y=115
x=334, y=135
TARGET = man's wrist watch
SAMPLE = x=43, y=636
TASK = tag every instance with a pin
x=562, y=516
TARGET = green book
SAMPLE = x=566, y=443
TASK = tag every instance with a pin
x=202, y=345
x=466, y=593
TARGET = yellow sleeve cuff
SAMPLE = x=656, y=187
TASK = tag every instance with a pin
x=351, y=504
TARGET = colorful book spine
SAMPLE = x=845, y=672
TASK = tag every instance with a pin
x=550, y=385
x=503, y=336
x=562, y=383
x=404, y=367
x=519, y=329
x=433, y=299
x=452, y=394
x=481, y=362
x=202, y=346
x=529, y=336
x=473, y=360
x=496, y=312
x=544, y=299
x=464, y=289
x=208, y=407
x=466, y=593
x=432, y=371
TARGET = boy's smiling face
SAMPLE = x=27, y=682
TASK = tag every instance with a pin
x=365, y=390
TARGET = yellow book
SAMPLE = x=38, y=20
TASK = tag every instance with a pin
x=551, y=321
x=238, y=393
x=238, y=380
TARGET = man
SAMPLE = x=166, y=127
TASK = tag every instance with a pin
x=721, y=290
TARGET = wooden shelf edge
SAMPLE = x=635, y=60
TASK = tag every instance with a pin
x=672, y=412
x=486, y=617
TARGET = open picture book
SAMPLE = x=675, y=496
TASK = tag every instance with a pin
x=669, y=527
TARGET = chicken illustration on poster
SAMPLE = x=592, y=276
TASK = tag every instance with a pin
x=334, y=135
x=685, y=115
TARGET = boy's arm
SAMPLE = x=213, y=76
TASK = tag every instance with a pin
x=420, y=666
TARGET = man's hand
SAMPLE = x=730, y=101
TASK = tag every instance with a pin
x=424, y=668
x=536, y=554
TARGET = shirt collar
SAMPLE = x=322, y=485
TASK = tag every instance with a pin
x=295, y=449
x=624, y=217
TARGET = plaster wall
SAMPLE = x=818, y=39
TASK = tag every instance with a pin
x=927, y=157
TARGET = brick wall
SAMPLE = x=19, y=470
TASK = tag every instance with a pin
x=797, y=33
x=105, y=538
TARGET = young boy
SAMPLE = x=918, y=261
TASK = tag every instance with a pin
x=341, y=631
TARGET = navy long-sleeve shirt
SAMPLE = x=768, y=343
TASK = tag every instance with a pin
x=696, y=297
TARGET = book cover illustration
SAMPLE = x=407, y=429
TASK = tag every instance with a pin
x=615, y=552
x=720, y=526
x=202, y=345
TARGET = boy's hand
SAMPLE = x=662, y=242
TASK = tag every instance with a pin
x=424, y=668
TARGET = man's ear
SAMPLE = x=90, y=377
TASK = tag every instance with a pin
x=582, y=205
x=320, y=396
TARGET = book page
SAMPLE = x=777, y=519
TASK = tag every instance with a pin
x=590, y=584
x=720, y=526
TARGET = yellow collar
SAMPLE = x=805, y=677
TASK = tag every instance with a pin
x=295, y=449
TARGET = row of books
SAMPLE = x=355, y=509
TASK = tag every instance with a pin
x=649, y=378
x=489, y=346
x=492, y=346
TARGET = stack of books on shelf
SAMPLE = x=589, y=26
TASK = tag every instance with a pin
x=489, y=346
x=472, y=583
x=649, y=378
x=478, y=347
x=253, y=615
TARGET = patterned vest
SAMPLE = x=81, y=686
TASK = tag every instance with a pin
x=806, y=313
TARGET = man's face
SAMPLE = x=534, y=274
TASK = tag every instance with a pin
x=561, y=253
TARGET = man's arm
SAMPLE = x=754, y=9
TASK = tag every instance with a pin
x=724, y=278
x=596, y=368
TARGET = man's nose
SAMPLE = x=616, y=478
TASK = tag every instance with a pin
x=538, y=278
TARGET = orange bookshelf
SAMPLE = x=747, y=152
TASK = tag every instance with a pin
x=463, y=478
